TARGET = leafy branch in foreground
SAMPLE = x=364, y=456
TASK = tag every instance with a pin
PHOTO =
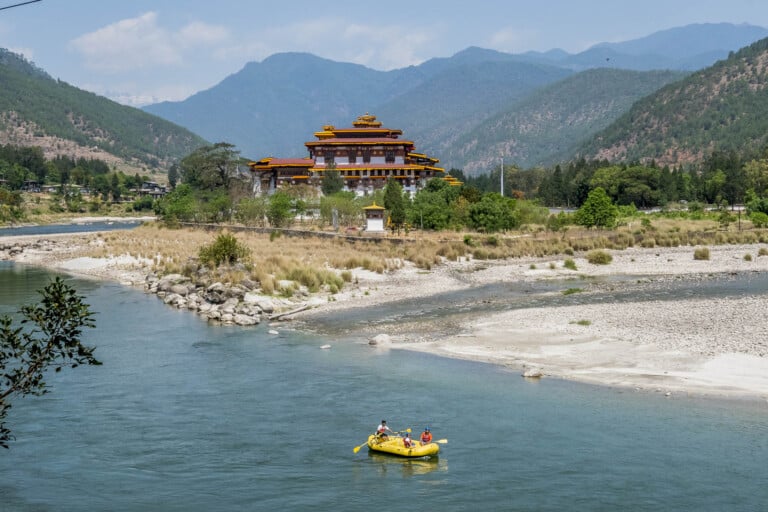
x=53, y=342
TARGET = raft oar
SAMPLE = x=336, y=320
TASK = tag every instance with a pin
x=441, y=441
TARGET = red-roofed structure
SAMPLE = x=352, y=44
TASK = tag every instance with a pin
x=365, y=155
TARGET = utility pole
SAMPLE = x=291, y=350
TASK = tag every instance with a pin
x=502, y=176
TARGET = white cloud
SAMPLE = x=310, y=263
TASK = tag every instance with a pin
x=514, y=40
x=136, y=95
x=197, y=33
x=376, y=46
x=141, y=43
x=28, y=53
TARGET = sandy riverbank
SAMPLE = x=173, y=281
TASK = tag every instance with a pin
x=698, y=346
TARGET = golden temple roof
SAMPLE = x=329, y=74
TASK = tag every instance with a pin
x=366, y=121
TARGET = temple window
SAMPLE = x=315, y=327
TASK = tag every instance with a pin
x=352, y=156
x=329, y=157
x=366, y=156
x=389, y=157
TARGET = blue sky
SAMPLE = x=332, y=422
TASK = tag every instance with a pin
x=142, y=51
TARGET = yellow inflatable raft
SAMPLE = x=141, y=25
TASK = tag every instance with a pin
x=395, y=446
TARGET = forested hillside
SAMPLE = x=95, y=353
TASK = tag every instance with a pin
x=551, y=123
x=475, y=86
x=723, y=107
x=38, y=110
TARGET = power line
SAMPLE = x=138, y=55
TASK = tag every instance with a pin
x=19, y=5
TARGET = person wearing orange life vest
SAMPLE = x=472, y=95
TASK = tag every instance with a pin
x=426, y=436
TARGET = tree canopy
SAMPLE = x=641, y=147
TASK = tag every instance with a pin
x=597, y=211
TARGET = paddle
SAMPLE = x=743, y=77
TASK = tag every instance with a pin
x=441, y=441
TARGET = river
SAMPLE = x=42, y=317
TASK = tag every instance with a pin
x=183, y=416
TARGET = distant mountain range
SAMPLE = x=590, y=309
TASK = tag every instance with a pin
x=673, y=96
x=466, y=109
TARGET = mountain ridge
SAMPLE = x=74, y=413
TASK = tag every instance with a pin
x=284, y=98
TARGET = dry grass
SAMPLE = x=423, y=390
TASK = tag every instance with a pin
x=316, y=262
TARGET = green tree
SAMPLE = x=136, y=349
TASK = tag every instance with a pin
x=597, y=211
x=349, y=211
x=280, y=210
x=211, y=167
x=213, y=206
x=114, y=187
x=178, y=205
x=493, y=213
x=394, y=202
x=173, y=176
x=431, y=207
x=53, y=342
x=332, y=180
x=252, y=211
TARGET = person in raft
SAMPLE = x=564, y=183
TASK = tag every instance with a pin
x=407, y=440
x=426, y=436
x=381, y=430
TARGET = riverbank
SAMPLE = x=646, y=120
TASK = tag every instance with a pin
x=694, y=346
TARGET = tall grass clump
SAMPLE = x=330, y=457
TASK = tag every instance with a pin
x=569, y=264
x=702, y=253
x=599, y=257
x=225, y=249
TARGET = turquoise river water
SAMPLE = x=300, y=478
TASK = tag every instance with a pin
x=183, y=416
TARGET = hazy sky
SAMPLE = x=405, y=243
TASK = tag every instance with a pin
x=142, y=51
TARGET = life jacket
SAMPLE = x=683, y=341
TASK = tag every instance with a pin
x=426, y=437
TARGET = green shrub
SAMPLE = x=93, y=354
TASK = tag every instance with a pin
x=571, y=291
x=759, y=219
x=762, y=252
x=225, y=249
x=585, y=323
x=747, y=257
x=468, y=241
x=569, y=264
x=701, y=253
x=599, y=257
